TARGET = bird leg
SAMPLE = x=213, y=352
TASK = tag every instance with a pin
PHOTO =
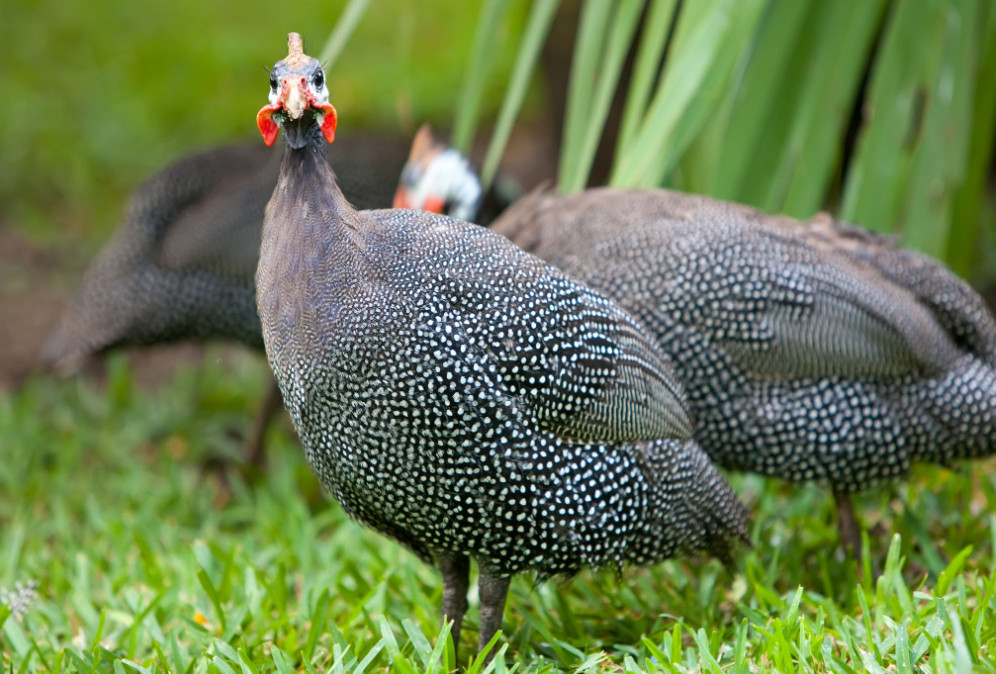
x=850, y=533
x=493, y=589
x=271, y=403
x=456, y=578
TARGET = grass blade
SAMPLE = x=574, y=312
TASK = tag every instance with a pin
x=588, y=119
x=537, y=27
x=942, y=151
x=343, y=30
x=962, y=253
x=588, y=48
x=832, y=80
x=693, y=54
x=904, y=80
x=708, y=39
x=653, y=41
x=708, y=103
x=756, y=97
x=467, y=115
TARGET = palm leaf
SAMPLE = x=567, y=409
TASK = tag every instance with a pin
x=343, y=30
x=537, y=27
x=478, y=69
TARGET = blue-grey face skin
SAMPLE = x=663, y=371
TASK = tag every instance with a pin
x=313, y=84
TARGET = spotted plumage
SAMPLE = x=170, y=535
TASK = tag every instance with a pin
x=816, y=352
x=467, y=399
x=808, y=351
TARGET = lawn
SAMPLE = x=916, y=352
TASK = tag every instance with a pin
x=144, y=561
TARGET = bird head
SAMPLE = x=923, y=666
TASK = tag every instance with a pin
x=438, y=179
x=298, y=95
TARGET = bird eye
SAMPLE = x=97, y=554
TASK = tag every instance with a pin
x=319, y=79
x=273, y=81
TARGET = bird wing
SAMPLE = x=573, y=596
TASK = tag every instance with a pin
x=960, y=310
x=753, y=285
x=781, y=308
x=585, y=369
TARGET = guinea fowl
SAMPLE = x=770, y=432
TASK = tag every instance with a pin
x=182, y=264
x=808, y=351
x=462, y=397
x=439, y=179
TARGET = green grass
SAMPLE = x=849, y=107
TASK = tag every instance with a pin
x=144, y=565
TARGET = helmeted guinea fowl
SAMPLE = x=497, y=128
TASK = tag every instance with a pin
x=439, y=179
x=182, y=264
x=461, y=396
x=808, y=351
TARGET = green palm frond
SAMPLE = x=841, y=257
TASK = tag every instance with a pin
x=881, y=111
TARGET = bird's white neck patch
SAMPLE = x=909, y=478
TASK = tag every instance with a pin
x=450, y=178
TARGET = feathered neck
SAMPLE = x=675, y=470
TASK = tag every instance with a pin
x=307, y=183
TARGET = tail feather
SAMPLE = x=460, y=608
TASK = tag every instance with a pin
x=955, y=415
x=721, y=514
x=695, y=505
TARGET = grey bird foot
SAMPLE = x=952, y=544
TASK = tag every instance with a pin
x=493, y=590
x=255, y=446
x=456, y=579
x=850, y=536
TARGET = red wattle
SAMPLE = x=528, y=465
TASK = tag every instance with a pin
x=329, y=121
x=265, y=123
x=434, y=205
